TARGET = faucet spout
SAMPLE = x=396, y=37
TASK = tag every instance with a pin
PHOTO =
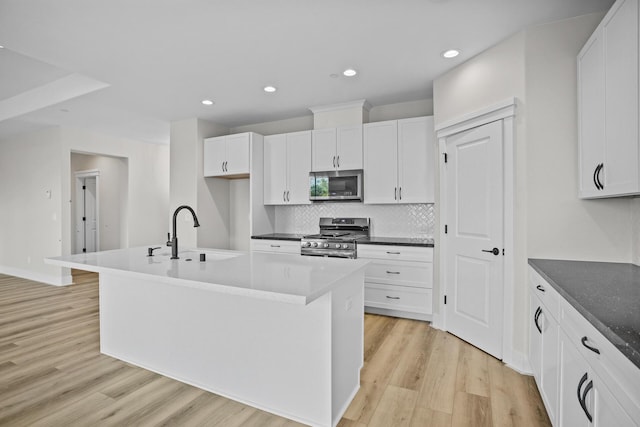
x=174, y=241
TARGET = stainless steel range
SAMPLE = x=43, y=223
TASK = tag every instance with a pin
x=337, y=238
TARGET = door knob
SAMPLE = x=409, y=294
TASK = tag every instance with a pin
x=494, y=251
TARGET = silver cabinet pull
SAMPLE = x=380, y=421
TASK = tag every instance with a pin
x=400, y=193
x=395, y=193
x=334, y=161
x=275, y=246
x=284, y=196
x=393, y=272
x=222, y=167
x=392, y=297
x=393, y=253
x=338, y=161
x=288, y=196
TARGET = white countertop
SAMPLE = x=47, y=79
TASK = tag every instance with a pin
x=282, y=277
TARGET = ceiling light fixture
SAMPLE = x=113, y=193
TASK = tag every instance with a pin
x=451, y=53
x=269, y=89
x=349, y=72
x=207, y=102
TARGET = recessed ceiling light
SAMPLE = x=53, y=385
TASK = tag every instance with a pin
x=1, y=47
x=269, y=89
x=333, y=75
x=207, y=102
x=451, y=53
x=349, y=72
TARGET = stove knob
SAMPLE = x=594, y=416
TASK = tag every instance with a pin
x=305, y=244
x=314, y=244
x=345, y=246
x=326, y=245
x=337, y=245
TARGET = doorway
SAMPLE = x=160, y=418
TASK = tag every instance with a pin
x=87, y=212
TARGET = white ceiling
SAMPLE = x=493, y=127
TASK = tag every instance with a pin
x=145, y=63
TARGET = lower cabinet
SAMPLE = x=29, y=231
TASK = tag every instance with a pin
x=398, y=281
x=583, y=379
x=276, y=246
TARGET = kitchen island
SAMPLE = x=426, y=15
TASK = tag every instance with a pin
x=282, y=333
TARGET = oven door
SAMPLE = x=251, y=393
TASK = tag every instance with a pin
x=335, y=186
x=331, y=253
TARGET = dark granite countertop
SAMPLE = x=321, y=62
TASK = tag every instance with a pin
x=279, y=236
x=397, y=241
x=607, y=294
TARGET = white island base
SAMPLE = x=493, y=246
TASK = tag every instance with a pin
x=299, y=361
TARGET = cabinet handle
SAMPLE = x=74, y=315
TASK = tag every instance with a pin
x=284, y=196
x=400, y=193
x=392, y=297
x=222, y=167
x=393, y=272
x=535, y=319
x=395, y=193
x=601, y=167
x=334, y=161
x=595, y=171
x=288, y=196
x=275, y=246
x=393, y=253
x=582, y=398
x=338, y=161
x=540, y=288
x=584, y=343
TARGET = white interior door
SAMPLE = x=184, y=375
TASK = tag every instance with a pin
x=475, y=236
x=87, y=237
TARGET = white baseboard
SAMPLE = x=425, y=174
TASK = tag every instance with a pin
x=37, y=277
x=519, y=362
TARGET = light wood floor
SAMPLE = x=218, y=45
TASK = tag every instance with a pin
x=52, y=374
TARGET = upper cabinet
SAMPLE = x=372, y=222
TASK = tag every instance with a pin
x=227, y=156
x=608, y=106
x=287, y=163
x=399, y=161
x=336, y=148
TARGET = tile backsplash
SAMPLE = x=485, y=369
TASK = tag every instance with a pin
x=414, y=220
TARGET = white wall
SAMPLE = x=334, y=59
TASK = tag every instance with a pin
x=30, y=223
x=402, y=110
x=113, y=171
x=538, y=67
x=635, y=234
x=294, y=124
x=33, y=227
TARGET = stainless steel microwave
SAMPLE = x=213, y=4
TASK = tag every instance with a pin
x=336, y=186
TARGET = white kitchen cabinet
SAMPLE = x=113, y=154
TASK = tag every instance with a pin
x=287, y=163
x=608, y=106
x=399, y=161
x=579, y=373
x=276, y=246
x=336, y=148
x=227, y=156
x=399, y=280
x=544, y=346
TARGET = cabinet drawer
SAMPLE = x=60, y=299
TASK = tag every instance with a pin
x=618, y=373
x=419, y=276
x=398, y=298
x=547, y=295
x=400, y=253
x=283, y=246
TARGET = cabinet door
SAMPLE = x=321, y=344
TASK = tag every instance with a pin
x=214, y=156
x=299, y=166
x=349, y=147
x=275, y=169
x=415, y=160
x=237, y=154
x=535, y=339
x=323, y=144
x=606, y=409
x=381, y=162
x=574, y=368
x=620, y=33
x=550, y=363
x=591, y=114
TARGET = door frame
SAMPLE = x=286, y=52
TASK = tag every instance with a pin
x=503, y=111
x=79, y=176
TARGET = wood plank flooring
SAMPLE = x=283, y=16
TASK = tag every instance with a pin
x=52, y=374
